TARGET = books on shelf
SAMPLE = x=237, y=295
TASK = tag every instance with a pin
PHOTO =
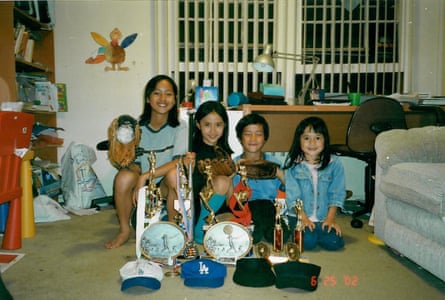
x=29, y=50
x=439, y=100
x=41, y=94
x=24, y=42
x=26, y=85
x=46, y=95
x=19, y=31
x=61, y=97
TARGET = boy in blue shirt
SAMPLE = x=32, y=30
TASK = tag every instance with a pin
x=253, y=131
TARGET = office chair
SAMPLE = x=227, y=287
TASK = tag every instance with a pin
x=370, y=118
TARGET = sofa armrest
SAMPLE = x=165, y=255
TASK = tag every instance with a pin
x=424, y=144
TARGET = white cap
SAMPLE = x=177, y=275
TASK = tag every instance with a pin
x=141, y=273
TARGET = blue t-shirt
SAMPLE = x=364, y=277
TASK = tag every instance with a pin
x=262, y=189
x=167, y=143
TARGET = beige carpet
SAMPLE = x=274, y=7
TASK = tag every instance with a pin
x=67, y=260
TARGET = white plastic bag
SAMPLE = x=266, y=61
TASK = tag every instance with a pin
x=48, y=210
x=80, y=185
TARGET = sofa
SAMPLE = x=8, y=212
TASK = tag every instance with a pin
x=409, y=208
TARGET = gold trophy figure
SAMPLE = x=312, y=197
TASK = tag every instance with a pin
x=207, y=193
x=153, y=201
x=241, y=196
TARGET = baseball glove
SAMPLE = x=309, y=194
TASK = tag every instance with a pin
x=222, y=164
x=123, y=136
x=263, y=169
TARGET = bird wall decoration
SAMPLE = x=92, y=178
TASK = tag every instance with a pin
x=111, y=51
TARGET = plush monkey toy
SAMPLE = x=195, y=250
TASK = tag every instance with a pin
x=124, y=136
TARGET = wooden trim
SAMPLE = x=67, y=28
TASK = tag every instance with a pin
x=283, y=119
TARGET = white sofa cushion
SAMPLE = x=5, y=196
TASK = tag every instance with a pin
x=420, y=145
x=419, y=184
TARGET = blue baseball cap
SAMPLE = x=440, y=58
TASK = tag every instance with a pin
x=203, y=273
x=141, y=273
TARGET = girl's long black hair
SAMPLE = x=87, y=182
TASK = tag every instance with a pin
x=173, y=119
x=203, y=110
x=296, y=155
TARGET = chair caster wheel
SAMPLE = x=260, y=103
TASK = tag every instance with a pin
x=356, y=223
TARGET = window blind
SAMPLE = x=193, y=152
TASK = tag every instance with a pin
x=359, y=43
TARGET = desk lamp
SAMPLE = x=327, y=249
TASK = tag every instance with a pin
x=264, y=63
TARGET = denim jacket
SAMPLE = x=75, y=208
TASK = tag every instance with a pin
x=331, y=188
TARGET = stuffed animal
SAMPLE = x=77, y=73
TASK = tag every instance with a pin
x=124, y=135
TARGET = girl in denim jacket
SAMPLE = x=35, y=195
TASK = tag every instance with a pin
x=316, y=177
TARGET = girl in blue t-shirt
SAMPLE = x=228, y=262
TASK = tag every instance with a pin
x=161, y=132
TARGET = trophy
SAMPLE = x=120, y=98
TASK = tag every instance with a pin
x=206, y=194
x=155, y=239
x=186, y=217
x=238, y=202
x=278, y=230
x=299, y=229
x=153, y=202
x=243, y=194
x=151, y=198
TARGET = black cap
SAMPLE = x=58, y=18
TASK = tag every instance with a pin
x=295, y=274
x=253, y=272
x=126, y=120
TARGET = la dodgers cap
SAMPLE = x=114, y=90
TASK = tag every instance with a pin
x=295, y=274
x=253, y=272
x=141, y=273
x=203, y=273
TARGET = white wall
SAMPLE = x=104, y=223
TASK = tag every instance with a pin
x=428, y=47
x=96, y=97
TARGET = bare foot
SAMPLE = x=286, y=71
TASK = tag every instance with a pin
x=120, y=239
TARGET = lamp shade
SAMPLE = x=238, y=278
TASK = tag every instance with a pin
x=264, y=62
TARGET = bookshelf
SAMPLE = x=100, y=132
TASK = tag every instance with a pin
x=42, y=60
x=40, y=64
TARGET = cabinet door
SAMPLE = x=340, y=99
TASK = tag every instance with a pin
x=7, y=63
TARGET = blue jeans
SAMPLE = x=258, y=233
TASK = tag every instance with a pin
x=329, y=241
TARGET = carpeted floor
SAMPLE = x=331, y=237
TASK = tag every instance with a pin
x=67, y=260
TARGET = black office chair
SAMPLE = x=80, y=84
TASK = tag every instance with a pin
x=370, y=118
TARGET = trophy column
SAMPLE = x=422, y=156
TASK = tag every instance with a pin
x=299, y=230
x=278, y=230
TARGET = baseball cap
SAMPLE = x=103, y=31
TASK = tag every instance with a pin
x=253, y=272
x=295, y=274
x=141, y=272
x=203, y=273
